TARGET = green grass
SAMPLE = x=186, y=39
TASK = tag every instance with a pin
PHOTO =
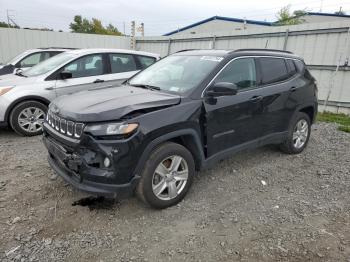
x=341, y=119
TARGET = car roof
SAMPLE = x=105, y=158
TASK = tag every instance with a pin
x=86, y=51
x=252, y=52
x=39, y=49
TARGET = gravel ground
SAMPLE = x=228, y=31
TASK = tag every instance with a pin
x=259, y=205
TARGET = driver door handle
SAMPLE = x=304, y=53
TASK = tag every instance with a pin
x=292, y=89
x=98, y=81
x=255, y=99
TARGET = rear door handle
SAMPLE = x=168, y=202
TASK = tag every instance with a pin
x=293, y=88
x=98, y=81
x=255, y=99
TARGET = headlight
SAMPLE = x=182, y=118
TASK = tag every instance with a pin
x=111, y=129
x=4, y=90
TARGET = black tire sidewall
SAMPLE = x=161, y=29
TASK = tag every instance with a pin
x=15, y=114
x=158, y=155
x=299, y=116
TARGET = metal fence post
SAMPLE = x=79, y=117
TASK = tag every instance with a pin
x=213, y=42
x=169, y=44
x=285, y=40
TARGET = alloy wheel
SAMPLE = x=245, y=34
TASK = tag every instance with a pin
x=300, y=134
x=31, y=119
x=170, y=177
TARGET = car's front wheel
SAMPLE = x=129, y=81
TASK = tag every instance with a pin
x=298, y=134
x=167, y=176
x=27, y=118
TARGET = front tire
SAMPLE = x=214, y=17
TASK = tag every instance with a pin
x=298, y=134
x=167, y=176
x=27, y=118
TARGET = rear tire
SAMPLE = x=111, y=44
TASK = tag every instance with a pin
x=27, y=118
x=167, y=176
x=298, y=134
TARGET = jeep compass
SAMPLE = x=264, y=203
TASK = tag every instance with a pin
x=178, y=116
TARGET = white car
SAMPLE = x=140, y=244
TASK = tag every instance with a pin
x=24, y=97
x=29, y=58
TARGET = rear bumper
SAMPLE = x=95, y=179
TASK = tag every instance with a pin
x=78, y=181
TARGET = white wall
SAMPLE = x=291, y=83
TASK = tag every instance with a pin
x=14, y=41
x=324, y=19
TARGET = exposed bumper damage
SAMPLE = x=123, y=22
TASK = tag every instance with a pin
x=81, y=163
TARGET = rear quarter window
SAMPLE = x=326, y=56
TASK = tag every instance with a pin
x=292, y=70
x=299, y=65
x=273, y=70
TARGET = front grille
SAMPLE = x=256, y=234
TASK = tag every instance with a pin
x=66, y=127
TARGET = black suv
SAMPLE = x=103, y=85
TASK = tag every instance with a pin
x=181, y=114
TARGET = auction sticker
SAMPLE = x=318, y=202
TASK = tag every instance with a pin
x=212, y=58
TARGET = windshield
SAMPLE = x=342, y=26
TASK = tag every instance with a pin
x=176, y=73
x=13, y=60
x=49, y=64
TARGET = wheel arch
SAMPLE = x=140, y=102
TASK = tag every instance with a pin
x=21, y=100
x=310, y=111
x=185, y=137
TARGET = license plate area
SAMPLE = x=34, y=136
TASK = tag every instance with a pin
x=69, y=161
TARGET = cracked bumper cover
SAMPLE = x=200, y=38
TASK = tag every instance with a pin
x=73, y=169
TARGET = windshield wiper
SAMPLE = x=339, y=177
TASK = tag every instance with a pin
x=150, y=87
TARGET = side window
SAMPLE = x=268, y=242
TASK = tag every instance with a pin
x=146, y=61
x=291, y=67
x=122, y=63
x=30, y=60
x=240, y=72
x=273, y=70
x=90, y=65
x=53, y=53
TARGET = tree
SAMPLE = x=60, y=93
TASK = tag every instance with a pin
x=84, y=25
x=285, y=17
x=4, y=24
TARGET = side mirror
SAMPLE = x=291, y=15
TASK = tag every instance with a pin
x=66, y=75
x=222, y=89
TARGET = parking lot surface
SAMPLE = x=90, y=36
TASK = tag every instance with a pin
x=259, y=205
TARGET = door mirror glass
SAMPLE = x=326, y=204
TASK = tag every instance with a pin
x=222, y=89
x=66, y=75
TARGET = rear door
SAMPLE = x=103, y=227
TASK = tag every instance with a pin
x=233, y=121
x=121, y=67
x=278, y=82
x=87, y=72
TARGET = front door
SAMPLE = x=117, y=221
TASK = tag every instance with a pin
x=234, y=120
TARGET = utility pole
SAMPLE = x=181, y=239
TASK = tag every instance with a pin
x=142, y=29
x=10, y=19
x=8, y=16
x=133, y=42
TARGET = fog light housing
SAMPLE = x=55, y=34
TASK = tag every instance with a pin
x=107, y=162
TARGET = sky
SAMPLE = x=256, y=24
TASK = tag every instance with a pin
x=159, y=16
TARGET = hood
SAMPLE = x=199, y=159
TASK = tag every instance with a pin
x=15, y=80
x=111, y=103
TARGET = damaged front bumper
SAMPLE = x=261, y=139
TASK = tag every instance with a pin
x=79, y=162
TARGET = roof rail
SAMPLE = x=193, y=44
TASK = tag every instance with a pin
x=55, y=47
x=184, y=50
x=263, y=49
